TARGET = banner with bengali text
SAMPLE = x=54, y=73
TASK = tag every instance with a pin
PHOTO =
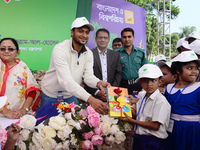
x=115, y=15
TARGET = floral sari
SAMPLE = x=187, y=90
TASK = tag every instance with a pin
x=16, y=83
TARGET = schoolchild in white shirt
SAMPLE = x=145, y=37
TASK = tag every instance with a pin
x=152, y=112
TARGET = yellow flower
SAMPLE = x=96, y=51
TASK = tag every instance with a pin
x=67, y=106
x=22, y=93
x=60, y=106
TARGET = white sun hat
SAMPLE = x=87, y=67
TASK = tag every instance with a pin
x=195, y=46
x=183, y=42
x=82, y=21
x=160, y=57
x=149, y=71
x=194, y=34
x=3, y=100
x=186, y=56
x=160, y=64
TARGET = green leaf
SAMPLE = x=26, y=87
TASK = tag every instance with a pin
x=46, y=122
x=85, y=128
x=57, y=139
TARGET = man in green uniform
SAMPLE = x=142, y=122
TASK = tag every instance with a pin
x=132, y=58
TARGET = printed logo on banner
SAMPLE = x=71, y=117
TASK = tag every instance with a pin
x=7, y=1
x=129, y=18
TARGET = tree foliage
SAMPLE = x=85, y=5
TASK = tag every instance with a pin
x=150, y=7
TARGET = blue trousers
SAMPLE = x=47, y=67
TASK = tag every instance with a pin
x=147, y=142
x=46, y=99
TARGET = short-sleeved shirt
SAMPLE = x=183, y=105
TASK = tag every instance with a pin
x=131, y=63
x=157, y=109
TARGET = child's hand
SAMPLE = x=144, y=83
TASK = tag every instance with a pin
x=132, y=99
x=127, y=118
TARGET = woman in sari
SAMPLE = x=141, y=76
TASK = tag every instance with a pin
x=16, y=82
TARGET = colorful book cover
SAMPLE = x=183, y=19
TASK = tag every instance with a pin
x=118, y=101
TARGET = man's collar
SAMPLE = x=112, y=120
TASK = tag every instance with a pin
x=83, y=49
x=101, y=52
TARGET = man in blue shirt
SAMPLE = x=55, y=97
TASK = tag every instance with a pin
x=132, y=58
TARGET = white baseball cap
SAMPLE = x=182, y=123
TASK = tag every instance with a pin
x=186, y=56
x=82, y=21
x=3, y=100
x=183, y=42
x=195, y=46
x=194, y=34
x=160, y=64
x=160, y=57
x=149, y=71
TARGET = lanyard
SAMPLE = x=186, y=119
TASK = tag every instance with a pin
x=179, y=94
x=140, y=109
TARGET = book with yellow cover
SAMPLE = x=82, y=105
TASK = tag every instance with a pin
x=117, y=98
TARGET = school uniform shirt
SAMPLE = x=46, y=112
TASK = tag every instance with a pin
x=156, y=108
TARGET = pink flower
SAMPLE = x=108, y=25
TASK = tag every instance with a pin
x=83, y=113
x=88, y=135
x=90, y=110
x=97, y=140
x=81, y=121
x=94, y=120
x=87, y=145
x=98, y=130
x=3, y=137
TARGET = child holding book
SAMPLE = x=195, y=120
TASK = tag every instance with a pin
x=152, y=111
x=184, y=97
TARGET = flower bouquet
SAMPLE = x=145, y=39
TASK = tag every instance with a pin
x=76, y=127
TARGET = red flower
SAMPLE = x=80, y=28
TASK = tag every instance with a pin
x=56, y=104
x=117, y=91
x=67, y=110
x=23, y=81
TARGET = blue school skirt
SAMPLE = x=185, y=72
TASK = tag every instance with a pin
x=147, y=142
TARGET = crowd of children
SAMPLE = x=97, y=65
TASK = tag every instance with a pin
x=170, y=120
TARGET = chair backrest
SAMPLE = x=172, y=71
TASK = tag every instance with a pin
x=38, y=76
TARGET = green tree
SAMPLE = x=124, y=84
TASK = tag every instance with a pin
x=185, y=31
x=150, y=7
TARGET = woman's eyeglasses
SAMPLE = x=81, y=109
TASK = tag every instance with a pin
x=9, y=49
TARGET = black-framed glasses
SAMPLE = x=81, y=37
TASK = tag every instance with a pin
x=101, y=37
x=3, y=49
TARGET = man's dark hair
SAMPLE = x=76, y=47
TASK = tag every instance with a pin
x=104, y=30
x=117, y=40
x=127, y=30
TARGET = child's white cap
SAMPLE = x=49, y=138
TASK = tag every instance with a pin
x=160, y=57
x=149, y=71
x=3, y=100
x=195, y=46
x=186, y=56
x=160, y=64
x=182, y=42
x=82, y=21
x=194, y=34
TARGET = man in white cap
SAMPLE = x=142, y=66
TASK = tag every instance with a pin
x=72, y=61
x=193, y=36
x=182, y=45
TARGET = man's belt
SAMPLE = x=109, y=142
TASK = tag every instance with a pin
x=129, y=82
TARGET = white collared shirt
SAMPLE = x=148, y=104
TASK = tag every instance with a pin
x=103, y=60
x=156, y=108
